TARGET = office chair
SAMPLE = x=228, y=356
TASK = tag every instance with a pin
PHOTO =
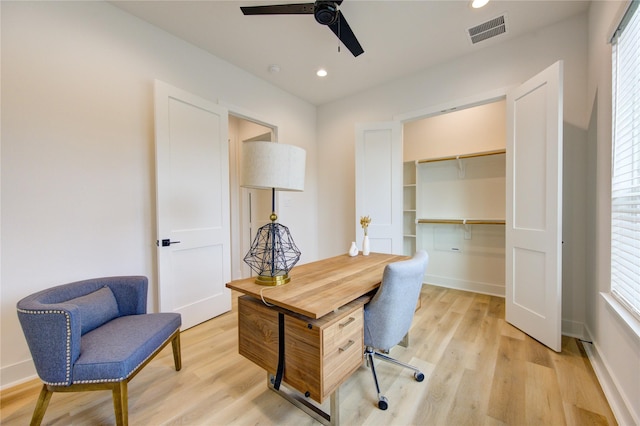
x=388, y=316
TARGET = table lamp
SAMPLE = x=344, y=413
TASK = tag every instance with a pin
x=278, y=167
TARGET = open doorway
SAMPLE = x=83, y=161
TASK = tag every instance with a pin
x=250, y=208
x=454, y=195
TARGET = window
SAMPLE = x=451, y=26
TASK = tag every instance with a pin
x=625, y=167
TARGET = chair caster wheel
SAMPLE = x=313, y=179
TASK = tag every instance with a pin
x=419, y=376
x=383, y=403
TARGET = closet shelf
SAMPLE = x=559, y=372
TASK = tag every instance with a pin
x=463, y=221
x=462, y=156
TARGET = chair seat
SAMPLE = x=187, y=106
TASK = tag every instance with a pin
x=110, y=353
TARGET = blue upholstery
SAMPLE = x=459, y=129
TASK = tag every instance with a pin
x=89, y=333
x=388, y=316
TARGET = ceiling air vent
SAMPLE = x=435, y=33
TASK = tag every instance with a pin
x=486, y=30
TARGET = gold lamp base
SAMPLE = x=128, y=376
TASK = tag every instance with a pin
x=273, y=280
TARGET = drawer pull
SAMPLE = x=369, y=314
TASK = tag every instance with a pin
x=347, y=322
x=347, y=346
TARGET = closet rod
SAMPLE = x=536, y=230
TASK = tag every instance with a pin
x=462, y=156
x=464, y=221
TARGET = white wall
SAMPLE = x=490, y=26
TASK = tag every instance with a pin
x=616, y=346
x=477, y=129
x=78, y=169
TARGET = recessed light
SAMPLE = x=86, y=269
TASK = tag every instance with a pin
x=477, y=4
x=321, y=72
x=274, y=69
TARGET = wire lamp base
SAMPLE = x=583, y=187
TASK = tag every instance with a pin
x=272, y=254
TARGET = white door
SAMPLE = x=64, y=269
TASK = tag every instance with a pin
x=534, y=207
x=192, y=183
x=379, y=185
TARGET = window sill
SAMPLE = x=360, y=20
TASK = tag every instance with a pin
x=631, y=322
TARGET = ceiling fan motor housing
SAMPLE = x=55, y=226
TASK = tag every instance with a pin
x=325, y=12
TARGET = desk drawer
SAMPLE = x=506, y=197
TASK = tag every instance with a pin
x=343, y=346
x=339, y=333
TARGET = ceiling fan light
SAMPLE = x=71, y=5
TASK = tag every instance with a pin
x=321, y=72
x=477, y=4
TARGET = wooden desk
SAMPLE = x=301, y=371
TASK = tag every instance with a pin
x=318, y=317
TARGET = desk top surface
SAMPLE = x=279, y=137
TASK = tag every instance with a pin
x=320, y=287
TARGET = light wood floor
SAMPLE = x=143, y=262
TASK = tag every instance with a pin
x=479, y=371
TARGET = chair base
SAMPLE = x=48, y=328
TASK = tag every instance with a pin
x=119, y=389
x=370, y=354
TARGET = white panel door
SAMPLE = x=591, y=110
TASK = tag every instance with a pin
x=379, y=185
x=192, y=182
x=534, y=207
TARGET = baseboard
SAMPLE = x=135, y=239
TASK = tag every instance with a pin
x=573, y=329
x=624, y=416
x=16, y=374
x=476, y=287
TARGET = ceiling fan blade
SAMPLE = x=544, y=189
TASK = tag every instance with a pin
x=279, y=9
x=342, y=29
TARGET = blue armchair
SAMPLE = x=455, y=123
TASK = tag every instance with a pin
x=94, y=335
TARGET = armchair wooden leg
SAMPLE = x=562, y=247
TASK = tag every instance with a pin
x=121, y=403
x=41, y=406
x=177, y=357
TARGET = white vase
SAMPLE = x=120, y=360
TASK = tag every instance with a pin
x=353, y=250
x=365, y=246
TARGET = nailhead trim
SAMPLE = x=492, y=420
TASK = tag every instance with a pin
x=68, y=349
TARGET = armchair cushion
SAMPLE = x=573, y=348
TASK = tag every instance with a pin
x=95, y=308
x=113, y=351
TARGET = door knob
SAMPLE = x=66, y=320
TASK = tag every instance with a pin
x=167, y=242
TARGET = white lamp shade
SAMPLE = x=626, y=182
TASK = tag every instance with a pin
x=267, y=165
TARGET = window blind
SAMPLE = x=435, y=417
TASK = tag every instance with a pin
x=625, y=170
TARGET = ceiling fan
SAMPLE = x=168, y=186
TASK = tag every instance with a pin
x=325, y=12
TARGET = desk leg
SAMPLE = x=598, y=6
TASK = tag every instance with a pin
x=307, y=405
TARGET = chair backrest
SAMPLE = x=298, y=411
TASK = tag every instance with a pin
x=388, y=316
